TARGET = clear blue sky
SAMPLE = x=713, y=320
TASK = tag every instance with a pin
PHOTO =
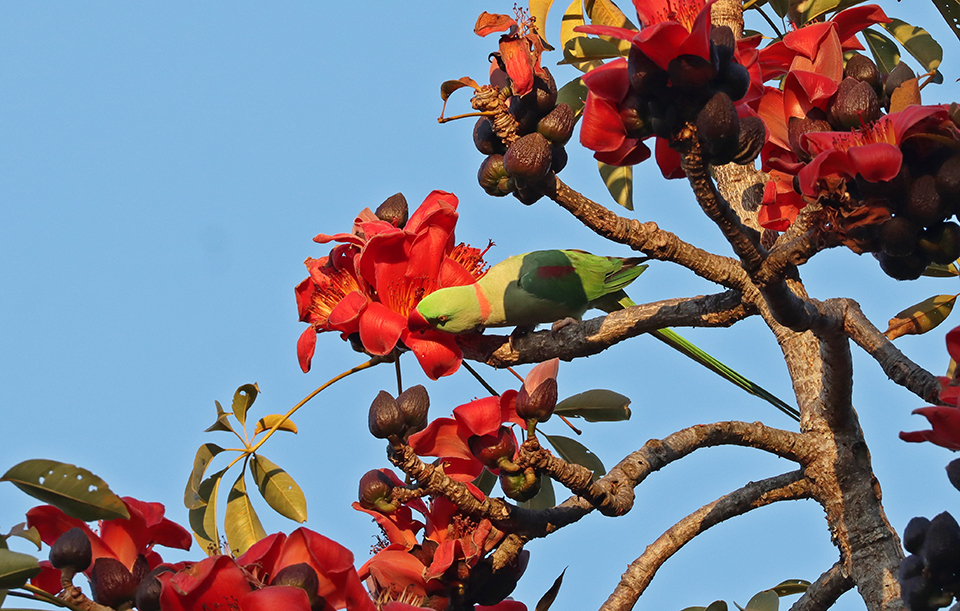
x=163, y=169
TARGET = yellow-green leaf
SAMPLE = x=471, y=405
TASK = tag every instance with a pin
x=16, y=569
x=30, y=534
x=268, y=422
x=551, y=595
x=922, y=317
x=936, y=270
x=575, y=452
x=76, y=491
x=605, y=12
x=619, y=181
x=241, y=524
x=203, y=520
x=572, y=17
x=597, y=405
x=205, y=454
x=539, y=9
x=582, y=49
x=223, y=420
x=766, y=600
x=574, y=95
x=791, y=586
x=917, y=42
x=243, y=400
x=279, y=490
x=884, y=50
x=950, y=9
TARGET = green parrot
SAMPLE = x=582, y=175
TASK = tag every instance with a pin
x=551, y=285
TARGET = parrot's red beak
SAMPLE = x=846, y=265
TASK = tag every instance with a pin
x=416, y=321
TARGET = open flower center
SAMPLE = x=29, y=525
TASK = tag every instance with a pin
x=403, y=294
x=338, y=284
x=471, y=258
x=877, y=132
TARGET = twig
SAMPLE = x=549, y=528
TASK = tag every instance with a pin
x=825, y=591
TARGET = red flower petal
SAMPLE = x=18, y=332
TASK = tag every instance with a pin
x=276, y=597
x=444, y=437
x=516, y=56
x=380, y=328
x=437, y=352
x=479, y=417
x=609, y=81
x=953, y=343
x=345, y=316
x=306, y=346
x=606, y=30
x=662, y=42
x=668, y=160
x=601, y=129
x=876, y=162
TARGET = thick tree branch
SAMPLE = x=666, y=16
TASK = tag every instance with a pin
x=825, y=591
x=786, y=487
x=647, y=237
x=597, y=334
x=894, y=363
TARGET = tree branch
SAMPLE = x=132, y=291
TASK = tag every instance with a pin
x=825, y=591
x=597, y=334
x=894, y=363
x=789, y=486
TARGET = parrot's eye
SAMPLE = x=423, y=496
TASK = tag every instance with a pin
x=443, y=318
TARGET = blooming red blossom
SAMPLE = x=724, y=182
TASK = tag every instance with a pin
x=370, y=282
x=121, y=539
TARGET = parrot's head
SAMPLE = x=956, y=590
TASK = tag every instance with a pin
x=454, y=309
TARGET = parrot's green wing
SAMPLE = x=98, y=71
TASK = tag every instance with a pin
x=574, y=278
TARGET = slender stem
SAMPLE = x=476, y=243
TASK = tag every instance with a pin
x=48, y=597
x=481, y=380
x=517, y=375
x=396, y=363
x=486, y=113
x=273, y=429
x=568, y=423
x=769, y=21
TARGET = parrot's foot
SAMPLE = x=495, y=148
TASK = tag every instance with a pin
x=566, y=322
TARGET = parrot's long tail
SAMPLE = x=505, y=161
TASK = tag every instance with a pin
x=677, y=342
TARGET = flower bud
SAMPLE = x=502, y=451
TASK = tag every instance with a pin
x=521, y=486
x=692, y=71
x=376, y=492
x=559, y=155
x=303, y=576
x=112, y=584
x=752, y=137
x=557, y=126
x=899, y=75
x=856, y=104
x=528, y=158
x=718, y=127
x=725, y=43
x=538, y=405
x=914, y=534
x=394, y=210
x=148, y=592
x=646, y=77
x=953, y=473
x=71, y=551
x=907, y=267
x=414, y=403
x=486, y=139
x=941, y=545
x=899, y=236
x=797, y=127
x=491, y=450
x=385, y=419
x=864, y=70
x=941, y=242
x=924, y=203
x=494, y=178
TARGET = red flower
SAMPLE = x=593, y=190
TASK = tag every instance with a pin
x=216, y=582
x=370, y=283
x=872, y=151
x=668, y=29
x=339, y=584
x=121, y=539
x=520, y=48
x=945, y=422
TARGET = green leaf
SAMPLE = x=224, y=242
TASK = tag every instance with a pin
x=584, y=49
x=76, y=491
x=922, y=317
x=936, y=270
x=205, y=454
x=780, y=7
x=619, y=181
x=791, y=586
x=223, y=420
x=551, y=595
x=278, y=489
x=16, y=568
x=597, y=405
x=574, y=95
x=539, y=9
x=764, y=601
x=811, y=9
x=243, y=400
x=267, y=422
x=485, y=481
x=544, y=499
x=241, y=524
x=30, y=534
x=884, y=50
x=203, y=520
x=717, y=605
x=950, y=10
x=575, y=452
x=917, y=42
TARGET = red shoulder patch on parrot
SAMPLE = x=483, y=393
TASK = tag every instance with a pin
x=554, y=271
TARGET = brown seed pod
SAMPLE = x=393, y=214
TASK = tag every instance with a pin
x=557, y=126
x=486, y=139
x=494, y=178
x=528, y=158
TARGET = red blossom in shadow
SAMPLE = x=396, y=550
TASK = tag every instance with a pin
x=944, y=419
x=370, y=282
x=121, y=539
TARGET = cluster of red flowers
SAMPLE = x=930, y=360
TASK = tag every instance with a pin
x=368, y=284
